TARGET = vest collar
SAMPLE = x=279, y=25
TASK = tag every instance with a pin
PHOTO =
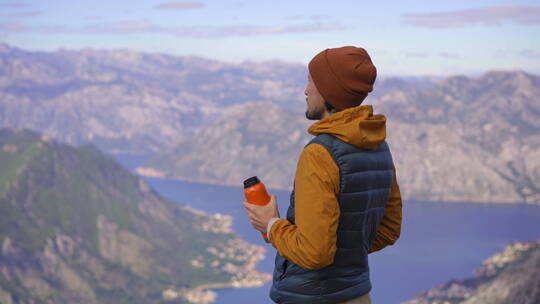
x=357, y=126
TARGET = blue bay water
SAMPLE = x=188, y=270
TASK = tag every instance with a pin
x=439, y=241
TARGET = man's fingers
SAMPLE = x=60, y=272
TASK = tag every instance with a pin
x=253, y=224
x=249, y=211
x=249, y=206
x=251, y=216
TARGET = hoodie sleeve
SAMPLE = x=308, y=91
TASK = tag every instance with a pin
x=311, y=241
x=390, y=227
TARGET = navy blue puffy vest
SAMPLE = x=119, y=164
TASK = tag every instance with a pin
x=365, y=183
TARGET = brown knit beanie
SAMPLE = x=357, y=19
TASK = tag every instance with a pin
x=343, y=75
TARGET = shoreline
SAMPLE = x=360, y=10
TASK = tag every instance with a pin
x=152, y=173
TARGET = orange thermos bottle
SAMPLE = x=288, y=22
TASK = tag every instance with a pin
x=255, y=193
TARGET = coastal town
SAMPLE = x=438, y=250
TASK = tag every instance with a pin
x=237, y=258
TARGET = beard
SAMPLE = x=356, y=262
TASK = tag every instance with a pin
x=314, y=115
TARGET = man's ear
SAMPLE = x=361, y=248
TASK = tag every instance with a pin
x=329, y=107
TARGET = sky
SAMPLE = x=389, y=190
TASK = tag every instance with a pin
x=403, y=38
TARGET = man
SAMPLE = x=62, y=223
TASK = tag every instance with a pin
x=346, y=201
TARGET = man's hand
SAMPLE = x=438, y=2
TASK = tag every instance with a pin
x=259, y=216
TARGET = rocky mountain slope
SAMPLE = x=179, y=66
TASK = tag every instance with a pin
x=454, y=139
x=511, y=276
x=460, y=140
x=76, y=227
x=251, y=139
x=131, y=102
x=126, y=101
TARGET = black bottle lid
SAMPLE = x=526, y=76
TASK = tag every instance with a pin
x=251, y=181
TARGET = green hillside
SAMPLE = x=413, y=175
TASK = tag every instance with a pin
x=76, y=227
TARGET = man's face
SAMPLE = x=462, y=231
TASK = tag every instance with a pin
x=315, y=102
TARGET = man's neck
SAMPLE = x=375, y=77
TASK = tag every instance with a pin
x=326, y=113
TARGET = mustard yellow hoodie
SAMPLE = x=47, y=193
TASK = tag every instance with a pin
x=311, y=242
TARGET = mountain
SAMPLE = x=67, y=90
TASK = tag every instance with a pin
x=250, y=139
x=459, y=140
x=76, y=227
x=469, y=139
x=138, y=103
x=511, y=276
x=129, y=102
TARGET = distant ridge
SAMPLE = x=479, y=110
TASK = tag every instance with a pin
x=455, y=138
x=461, y=140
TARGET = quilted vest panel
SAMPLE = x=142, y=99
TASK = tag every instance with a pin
x=365, y=183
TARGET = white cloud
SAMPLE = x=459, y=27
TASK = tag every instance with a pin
x=179, y=5
x=33, y=13
x=15, y=4
x=496, y=15
x=136, y=27
x=449, y=55
x=530, y=53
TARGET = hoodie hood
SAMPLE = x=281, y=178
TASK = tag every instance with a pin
x=356, y=126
